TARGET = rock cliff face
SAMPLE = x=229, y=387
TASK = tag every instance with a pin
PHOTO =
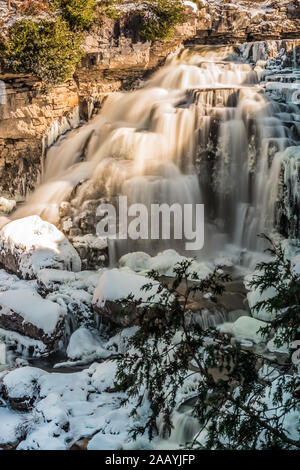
x=31, y=119
x=232, y=21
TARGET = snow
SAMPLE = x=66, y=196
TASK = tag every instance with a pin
x=137, y=261
x=272, y=347
x=103, y=442
x=248, y=328
x=36, y=244
x=32, y=307
x=103, y=375
x=91, y=241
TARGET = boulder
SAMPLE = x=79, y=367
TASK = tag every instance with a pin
x=25, y=312
x=30, y=244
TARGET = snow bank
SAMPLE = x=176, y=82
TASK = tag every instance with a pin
x=30, y=244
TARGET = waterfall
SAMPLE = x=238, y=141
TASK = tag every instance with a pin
x=203, y=129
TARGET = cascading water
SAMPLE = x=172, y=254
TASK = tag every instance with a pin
x=202, y=130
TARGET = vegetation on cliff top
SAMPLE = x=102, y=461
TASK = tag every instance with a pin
x=155, y=19
x=47, y=49
x=46, y=40
x=160, y=18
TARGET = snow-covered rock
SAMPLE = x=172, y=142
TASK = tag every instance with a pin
x=30, y=244
x=24, y=311
x=248, y=328
x=115, y=285
x=51, y=279
x=137, y=261
x=10, y=426
x=21, y=387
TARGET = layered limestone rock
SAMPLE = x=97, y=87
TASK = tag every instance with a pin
x=30, y=120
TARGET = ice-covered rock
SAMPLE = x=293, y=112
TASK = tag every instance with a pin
x=86, y=345
x=235, y=314
x=30, y=244
x=7, y=205
x=248, y=328
x=24, y=311
x=22, y=344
